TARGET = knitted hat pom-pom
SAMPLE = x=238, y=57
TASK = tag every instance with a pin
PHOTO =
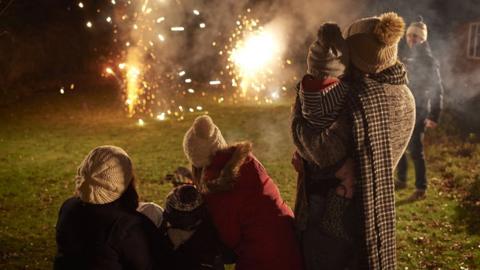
x=390, y=29
x=203, y=126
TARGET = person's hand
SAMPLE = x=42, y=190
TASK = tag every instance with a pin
x=297, y=162
x=430, y=123
x=346, y=174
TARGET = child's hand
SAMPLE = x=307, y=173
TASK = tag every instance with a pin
x=297, y=162
x=181, y=176
x=346, y=174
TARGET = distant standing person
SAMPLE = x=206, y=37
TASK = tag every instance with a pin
x=426, y=85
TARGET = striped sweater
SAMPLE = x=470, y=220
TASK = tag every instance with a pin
x=323, y=111
x=322, y=107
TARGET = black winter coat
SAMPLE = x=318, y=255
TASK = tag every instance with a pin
x=202, y=251
x=105, y=237
x=424, y=81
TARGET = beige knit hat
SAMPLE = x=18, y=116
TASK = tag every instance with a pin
x=373, y=41
x=202, y=140
x=104, y=175
x=418, y=28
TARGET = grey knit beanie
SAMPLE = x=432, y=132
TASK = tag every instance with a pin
x=104, y=175
x=328, y=54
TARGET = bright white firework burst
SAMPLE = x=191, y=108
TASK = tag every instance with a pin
x=254, y=58
x=154, y=85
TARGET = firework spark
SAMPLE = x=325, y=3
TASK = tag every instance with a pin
x=255, y=54
x=133, y=88
x=177, y=29
x=154, y=82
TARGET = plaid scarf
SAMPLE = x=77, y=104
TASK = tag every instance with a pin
x=369, y=107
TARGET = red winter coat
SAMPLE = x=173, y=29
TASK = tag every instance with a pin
x=248, y=211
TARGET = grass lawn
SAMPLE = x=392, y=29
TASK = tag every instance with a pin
x=43, y=140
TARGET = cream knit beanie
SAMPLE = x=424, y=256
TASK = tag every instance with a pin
x=202, y=140
x=418, y=28
x=104, y=175
x=373, y=41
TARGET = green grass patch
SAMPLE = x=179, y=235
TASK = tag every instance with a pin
x=43, y=141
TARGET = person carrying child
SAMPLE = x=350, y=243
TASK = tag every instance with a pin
x=350, y=129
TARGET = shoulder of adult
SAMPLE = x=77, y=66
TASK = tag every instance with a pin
x=70, y=204
x=138, y=241
x=65, y=214
x=241, y=155
x=427, y=54
x=132, y=227
x=131, y=223
x=223, y=172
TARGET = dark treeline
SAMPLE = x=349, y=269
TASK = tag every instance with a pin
x=44, y=44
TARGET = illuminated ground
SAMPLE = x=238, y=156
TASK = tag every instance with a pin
x=43, y=141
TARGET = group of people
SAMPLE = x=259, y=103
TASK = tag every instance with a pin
x=351, y=123
x=232, y=214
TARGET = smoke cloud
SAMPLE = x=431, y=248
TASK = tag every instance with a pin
x=208, y=26
x=295, y=22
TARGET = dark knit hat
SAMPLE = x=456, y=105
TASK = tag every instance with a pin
x=184, y=207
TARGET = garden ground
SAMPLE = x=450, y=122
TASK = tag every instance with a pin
x=43, y=140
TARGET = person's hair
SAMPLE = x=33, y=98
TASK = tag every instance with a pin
x=129, y=198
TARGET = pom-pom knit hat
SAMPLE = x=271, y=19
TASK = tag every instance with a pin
x=373, y=41
x=202, y=140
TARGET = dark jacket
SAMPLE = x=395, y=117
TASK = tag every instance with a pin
x=105, y=236
x=424, y=81
x=202, y=251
